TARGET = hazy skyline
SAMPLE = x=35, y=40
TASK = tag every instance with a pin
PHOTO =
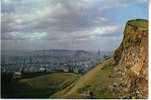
x=67, y=24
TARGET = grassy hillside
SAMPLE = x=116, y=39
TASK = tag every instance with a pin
x=41, y=86
x=96, y=81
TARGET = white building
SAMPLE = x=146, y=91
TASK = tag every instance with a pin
x=42, y=69
x=17, y=75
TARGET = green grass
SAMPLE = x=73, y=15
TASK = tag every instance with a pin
x=42, y=86
x=96, y=80
x=139, y=23
x=134, y=28
x=45, y=80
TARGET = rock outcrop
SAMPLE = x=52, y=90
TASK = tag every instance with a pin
x=125, y=75
x=131, y=61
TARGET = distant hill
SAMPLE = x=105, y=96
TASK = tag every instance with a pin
x=50, y=52
x=125, y=75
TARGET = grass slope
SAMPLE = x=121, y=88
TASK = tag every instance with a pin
x=43, y=86
x=96, y=80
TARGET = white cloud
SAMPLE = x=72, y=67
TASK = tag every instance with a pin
x=31, y=36
x=60, y=20
x=106, y=29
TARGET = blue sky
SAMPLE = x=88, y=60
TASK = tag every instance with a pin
x=67, y=24
x=121, y=15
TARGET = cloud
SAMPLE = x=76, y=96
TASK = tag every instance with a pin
x=60, y=20
x=106, y=30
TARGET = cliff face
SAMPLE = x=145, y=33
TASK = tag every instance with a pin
x=125, y=75
x=131, y=61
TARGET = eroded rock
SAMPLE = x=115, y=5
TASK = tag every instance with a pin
x=131, y=60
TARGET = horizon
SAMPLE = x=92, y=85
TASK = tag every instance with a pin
x=55, y=49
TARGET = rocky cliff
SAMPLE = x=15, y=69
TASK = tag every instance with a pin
x=131, y=61
x=125, y=75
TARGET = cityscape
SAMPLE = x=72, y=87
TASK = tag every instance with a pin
x=76, y=61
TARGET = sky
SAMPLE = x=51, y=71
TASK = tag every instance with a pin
x=67, y=24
